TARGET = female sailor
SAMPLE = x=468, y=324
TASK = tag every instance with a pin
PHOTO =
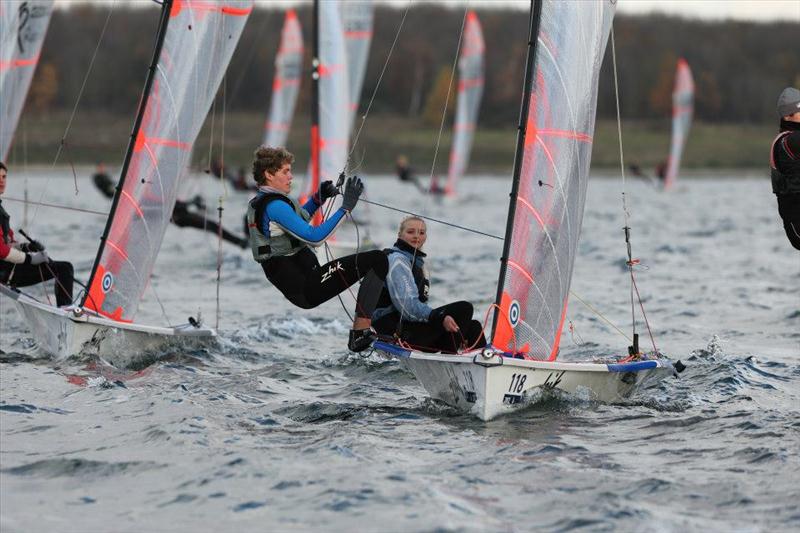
x=403, y=302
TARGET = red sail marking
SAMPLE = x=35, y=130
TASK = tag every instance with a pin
x=521, y=270
x=559, y=331
x=117, y=249
x=198, y=5
x=5, y=65
x=533, y=210
x=583, y=137
x=469, y=83
x=133, y=202
x=358, y=34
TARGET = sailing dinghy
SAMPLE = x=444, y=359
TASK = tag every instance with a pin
x=682, y=111
x=286, y=84
x=194, y=44
x=566, y=45
x=23, y=25
x=470, y=92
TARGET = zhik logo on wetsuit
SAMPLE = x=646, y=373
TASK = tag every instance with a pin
x=331, y=269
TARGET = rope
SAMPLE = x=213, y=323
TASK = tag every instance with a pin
x=74, y=110
x=438, y=221
x=377, y=86
x=56, y=206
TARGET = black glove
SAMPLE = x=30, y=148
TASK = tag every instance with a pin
x=352, y=191
x=326, y=190
x=32, y=246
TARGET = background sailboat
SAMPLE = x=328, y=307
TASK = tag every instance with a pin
x=194, y=45
x=23, y=25
x=286, y=83
x=682, y=111
x=551, y=169
x=470, y=92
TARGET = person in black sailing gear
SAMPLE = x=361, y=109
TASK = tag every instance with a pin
x=784, y=162
x=189, y=214
x=281, y=239
x=25, y=264
x=405, y=173
x=103, y=181
x=404, y=299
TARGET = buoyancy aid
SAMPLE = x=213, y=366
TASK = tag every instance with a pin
x=282, y=243
x=420, y=274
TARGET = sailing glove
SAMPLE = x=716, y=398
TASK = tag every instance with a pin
x=353, y=189
x=33, y=246
x=326, y=190
x=36, y=258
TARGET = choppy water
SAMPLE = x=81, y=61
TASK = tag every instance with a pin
x=278, y=427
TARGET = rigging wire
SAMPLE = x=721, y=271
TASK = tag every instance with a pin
x=631, y=262
x=63, y=142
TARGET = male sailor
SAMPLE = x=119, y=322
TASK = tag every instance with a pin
x=784, y=162
x=281, y=238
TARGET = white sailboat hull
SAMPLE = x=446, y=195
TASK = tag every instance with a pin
x=67, y=332
x=488, y=387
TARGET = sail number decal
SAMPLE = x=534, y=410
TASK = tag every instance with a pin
x=517, y=383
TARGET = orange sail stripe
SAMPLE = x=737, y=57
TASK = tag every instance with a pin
x=520, y=270
x=117, y=249
x=566, y=133
x=133, y=202
x=554, y=351
x=6, y=65
x=532, y=209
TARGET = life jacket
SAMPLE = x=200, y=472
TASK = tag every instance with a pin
x=266, y=246
x=788, y=181
x=421, y=280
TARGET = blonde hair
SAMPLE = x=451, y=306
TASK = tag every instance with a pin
x=405, y=221
x=270, y=160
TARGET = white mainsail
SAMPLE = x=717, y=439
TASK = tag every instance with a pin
x=470, y=92
x=23, y=25
x=547, y=201
x=357, y=19
x=286, y=83
x=682, y=111
x=196, y=41
x=329, y=139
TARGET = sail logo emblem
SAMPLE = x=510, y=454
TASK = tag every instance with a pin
x=331, y=269
x=514, y=313
x=108, y=280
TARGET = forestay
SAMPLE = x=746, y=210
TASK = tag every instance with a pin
x=470, y=92
x=199, y=37
x=682, y=111
x=357, y=23
x=23, y=25
x=286, y=83
x=547, y=201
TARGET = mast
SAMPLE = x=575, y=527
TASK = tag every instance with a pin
x=535, y=20
x=315, y=73
x=162, y=32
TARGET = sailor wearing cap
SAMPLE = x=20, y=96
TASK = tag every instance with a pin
x=784, y=163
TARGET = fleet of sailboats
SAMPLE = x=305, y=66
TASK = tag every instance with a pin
x=195, y=41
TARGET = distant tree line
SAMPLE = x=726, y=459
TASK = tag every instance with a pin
x=739, y=68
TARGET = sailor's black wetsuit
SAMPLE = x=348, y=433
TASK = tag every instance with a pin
x=289, y=263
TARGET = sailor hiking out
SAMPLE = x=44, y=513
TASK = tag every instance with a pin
x=281, y=239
